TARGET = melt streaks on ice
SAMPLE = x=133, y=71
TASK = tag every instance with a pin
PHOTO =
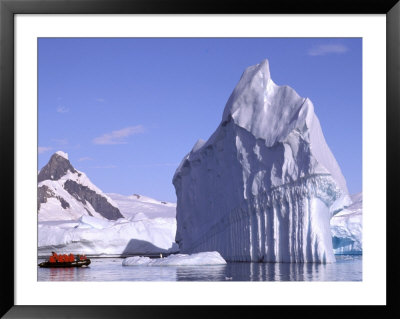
x=265, y=184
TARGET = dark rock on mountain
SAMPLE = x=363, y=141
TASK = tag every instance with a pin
x=45, y=193
x=99, y=203
x=56, y=168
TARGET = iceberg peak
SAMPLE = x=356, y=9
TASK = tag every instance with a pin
x=261, y=70
x=266, y=110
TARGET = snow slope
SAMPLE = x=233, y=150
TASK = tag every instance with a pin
x=346, y=228
x=137, y=207
x=265, y=184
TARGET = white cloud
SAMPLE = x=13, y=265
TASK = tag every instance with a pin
x=100, y=100
x=62, y=109
x=82, y=159
x=324, y=49
x=43, y=149
x=62, y=141
x=119, y=136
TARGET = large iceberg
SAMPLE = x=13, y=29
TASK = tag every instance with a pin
x=346, y=227
x=264, y=186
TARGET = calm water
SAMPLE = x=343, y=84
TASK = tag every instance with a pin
x=346, y=268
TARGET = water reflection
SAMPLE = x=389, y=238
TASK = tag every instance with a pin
x=277, y=271
x=347, y=268
x=64, y=273
x=342, y=270
x=201, y=273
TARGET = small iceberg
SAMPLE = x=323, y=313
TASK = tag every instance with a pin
x=199, y=259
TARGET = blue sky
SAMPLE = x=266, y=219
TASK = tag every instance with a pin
x=128, y=110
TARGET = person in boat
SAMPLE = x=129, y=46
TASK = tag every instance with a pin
x=53, y=257
x=64, y=258
x=60, y=258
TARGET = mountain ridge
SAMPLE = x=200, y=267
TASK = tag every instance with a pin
x=66, y=193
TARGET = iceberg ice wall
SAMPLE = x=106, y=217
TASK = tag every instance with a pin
x=265, y=184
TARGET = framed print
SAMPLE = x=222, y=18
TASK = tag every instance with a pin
x=291, y=186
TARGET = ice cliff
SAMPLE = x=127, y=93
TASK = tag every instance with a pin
x=346, y=227
x=265, y=184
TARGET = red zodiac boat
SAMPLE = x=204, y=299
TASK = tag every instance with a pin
x=64, y=260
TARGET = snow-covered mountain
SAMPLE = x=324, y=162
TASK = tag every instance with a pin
x=265, y=184
x=149, y=227
x=65, y=193
x=346, y=227
x=75, y=216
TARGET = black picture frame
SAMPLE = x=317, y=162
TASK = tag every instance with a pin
x=8, y=8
